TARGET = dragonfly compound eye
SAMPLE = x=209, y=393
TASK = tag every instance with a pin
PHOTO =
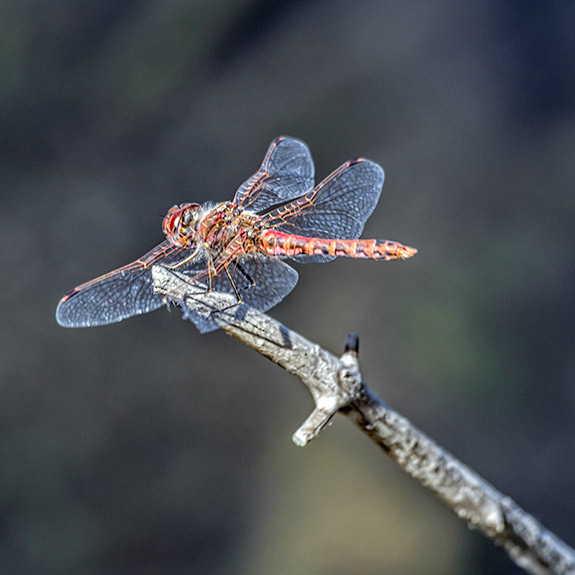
x=180, y=222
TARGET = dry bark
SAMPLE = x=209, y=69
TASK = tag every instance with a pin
x=336, y=385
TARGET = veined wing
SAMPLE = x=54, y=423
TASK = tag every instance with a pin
x=261, y=283
x=338, y=207
x=286, y=172
x=121, y=293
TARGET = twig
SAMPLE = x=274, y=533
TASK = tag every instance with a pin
x=336, y=384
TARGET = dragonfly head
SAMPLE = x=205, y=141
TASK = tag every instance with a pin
x=180, y=223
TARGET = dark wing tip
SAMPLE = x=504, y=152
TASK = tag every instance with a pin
x=284, y=138
x=376, y=168
x=61, y=315
x=280, y=139
x=68, y=315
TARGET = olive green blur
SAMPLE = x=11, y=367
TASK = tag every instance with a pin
x=145, y=448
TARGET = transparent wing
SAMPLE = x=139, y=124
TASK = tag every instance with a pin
x=286, y=172
x=338, y=207
x=260, y=283
x=121, y=293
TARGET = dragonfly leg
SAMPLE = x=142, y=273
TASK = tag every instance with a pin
x=184, y=261
x=251, y=281
x=234, y=287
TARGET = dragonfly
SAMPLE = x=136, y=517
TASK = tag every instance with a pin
x=239, y=248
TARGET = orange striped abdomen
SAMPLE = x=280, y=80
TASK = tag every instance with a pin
x=277, y=243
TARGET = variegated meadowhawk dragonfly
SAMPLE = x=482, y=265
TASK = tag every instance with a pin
x=237, y=248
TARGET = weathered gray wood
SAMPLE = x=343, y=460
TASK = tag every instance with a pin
x=336, y=385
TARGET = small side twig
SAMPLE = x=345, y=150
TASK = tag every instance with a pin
x=336, y=385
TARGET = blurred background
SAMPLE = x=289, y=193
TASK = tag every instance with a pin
x=144, y=447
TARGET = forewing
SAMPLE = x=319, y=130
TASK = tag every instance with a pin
x=338, y=207
x=119, y=294
x=286, y=172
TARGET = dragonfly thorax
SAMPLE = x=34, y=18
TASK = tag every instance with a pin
x=181, y=223
x=226, y=224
